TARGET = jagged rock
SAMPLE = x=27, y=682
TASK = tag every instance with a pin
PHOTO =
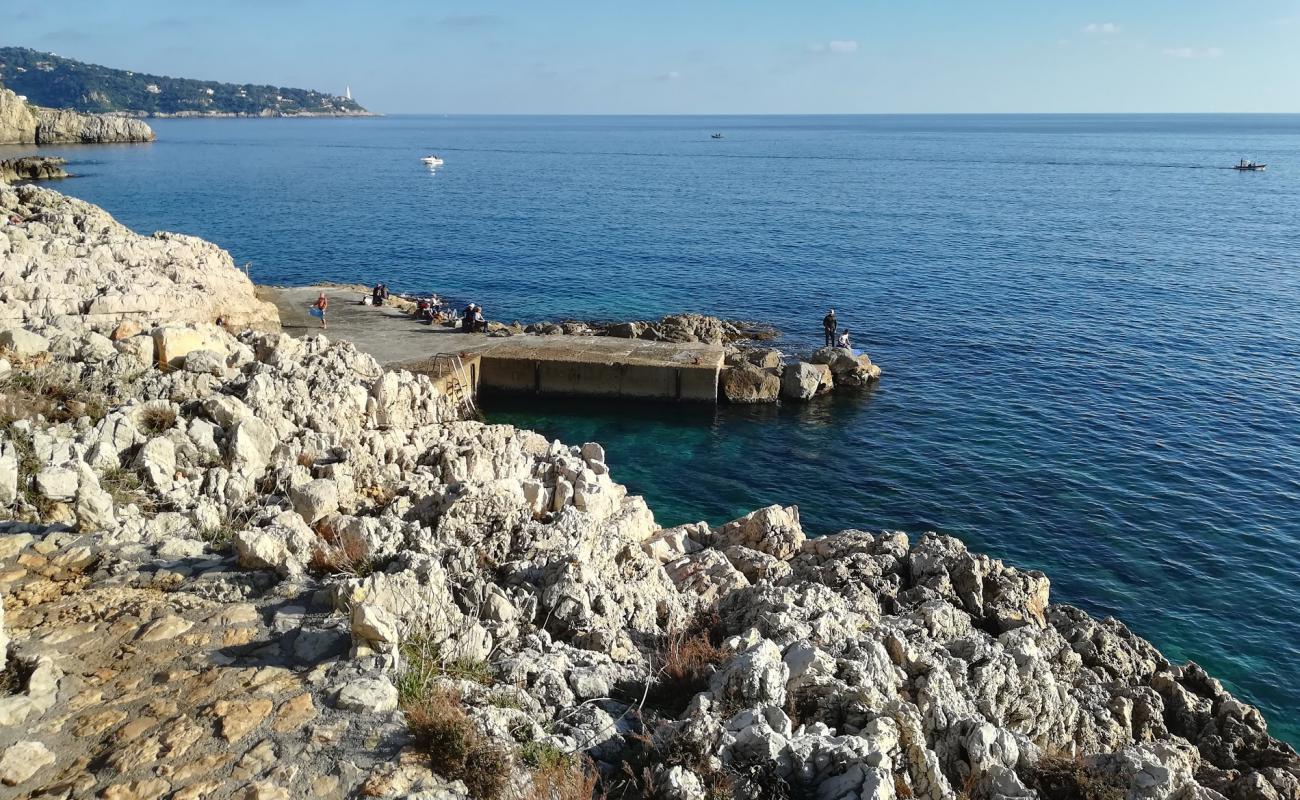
x=207, y=362
x=753, y=678
x=749, y=384
x=22, y=761
x=32, y=168
x=58, y=126
x=315, y=500
x=773, y=530
x=75, y=259
x=804, y=381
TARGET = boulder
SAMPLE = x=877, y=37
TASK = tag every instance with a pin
x=56, y=483
x=172, y=344
x=23, y=343
x=22, y=761
x=749, y=384
x=764, y=358
x=368, y=696
x=157, y=460
x=804, y=381
x=315, y=500
x=206, y=362
x=774, y=530
x=8, y=477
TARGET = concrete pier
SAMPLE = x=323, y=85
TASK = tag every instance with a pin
x=592, y=366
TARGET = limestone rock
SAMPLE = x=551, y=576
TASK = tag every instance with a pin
x=23, y=343
x=774, y=530
x=315, y=500
x=23, y=760
x=80, y=262
x=17, y=119
x=804, y=381
x=368, y=695
x=32, y=168
x=749, y=384
x=56, y=483
x=59, y=126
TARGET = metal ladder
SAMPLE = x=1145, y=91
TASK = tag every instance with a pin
x=459, y=387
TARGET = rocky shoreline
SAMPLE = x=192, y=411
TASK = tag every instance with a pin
x=239, y=564
x=21, y=123
x=33, y=168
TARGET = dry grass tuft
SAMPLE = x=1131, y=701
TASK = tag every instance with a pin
x=157, y=419
x=568, y=779
x=1057, y=776
x=456, y=749
x=689, y=658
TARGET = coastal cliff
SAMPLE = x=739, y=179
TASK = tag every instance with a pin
x=69, y=258
x=21, y=123
x=243, y=564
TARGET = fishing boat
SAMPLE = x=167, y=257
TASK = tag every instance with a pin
x=716, y=136
x=1249, y=166
x=432, y=161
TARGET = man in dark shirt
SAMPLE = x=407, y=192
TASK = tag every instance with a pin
x=829, y=324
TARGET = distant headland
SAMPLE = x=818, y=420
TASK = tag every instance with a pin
x=47, y=79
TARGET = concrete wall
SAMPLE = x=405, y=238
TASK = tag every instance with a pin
x=592, y=379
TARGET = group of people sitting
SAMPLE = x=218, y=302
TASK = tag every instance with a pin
x=830, y=325
x=431, y=310
x=472, y=320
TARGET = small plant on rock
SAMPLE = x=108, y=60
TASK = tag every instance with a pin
x=425, y=663
x=157, y=419
x=456, y=749
x=122, y=484
x=689, y=657
x=1058, y=776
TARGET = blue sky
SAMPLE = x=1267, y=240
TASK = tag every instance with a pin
x=706, y=56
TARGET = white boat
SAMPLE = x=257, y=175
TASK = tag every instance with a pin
x=432, y=161
x=1249, y=166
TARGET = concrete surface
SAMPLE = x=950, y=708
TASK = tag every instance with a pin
x=602, y=366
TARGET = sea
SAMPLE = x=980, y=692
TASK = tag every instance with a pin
x=1089, y=325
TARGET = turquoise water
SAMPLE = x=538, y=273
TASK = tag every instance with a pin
x=1089, y=329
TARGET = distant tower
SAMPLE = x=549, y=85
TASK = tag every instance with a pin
x=347, y=93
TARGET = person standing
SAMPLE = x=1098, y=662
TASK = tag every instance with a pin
x=829, y=324
x=377, y=295
x=319, y=307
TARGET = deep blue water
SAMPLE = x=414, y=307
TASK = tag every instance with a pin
x=1089, y=329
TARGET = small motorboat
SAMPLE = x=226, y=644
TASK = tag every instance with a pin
x=1249, y=166
x=716, y=136
x=432, y=161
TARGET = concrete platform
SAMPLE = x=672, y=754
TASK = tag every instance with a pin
x=592, y=366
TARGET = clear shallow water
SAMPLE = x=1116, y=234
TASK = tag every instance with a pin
x=1089, y=332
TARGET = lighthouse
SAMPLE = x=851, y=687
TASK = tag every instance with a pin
x=347, y=93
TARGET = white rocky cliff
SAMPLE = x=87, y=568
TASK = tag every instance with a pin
x=68, y=258
x=21, y=123
x=274, y=570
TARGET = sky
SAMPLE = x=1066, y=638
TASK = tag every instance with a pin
x=705, y=56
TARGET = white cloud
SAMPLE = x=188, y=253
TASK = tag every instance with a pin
x=1192, y=52
x=840, y=46
x=671, y=75
x=1102, y=28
